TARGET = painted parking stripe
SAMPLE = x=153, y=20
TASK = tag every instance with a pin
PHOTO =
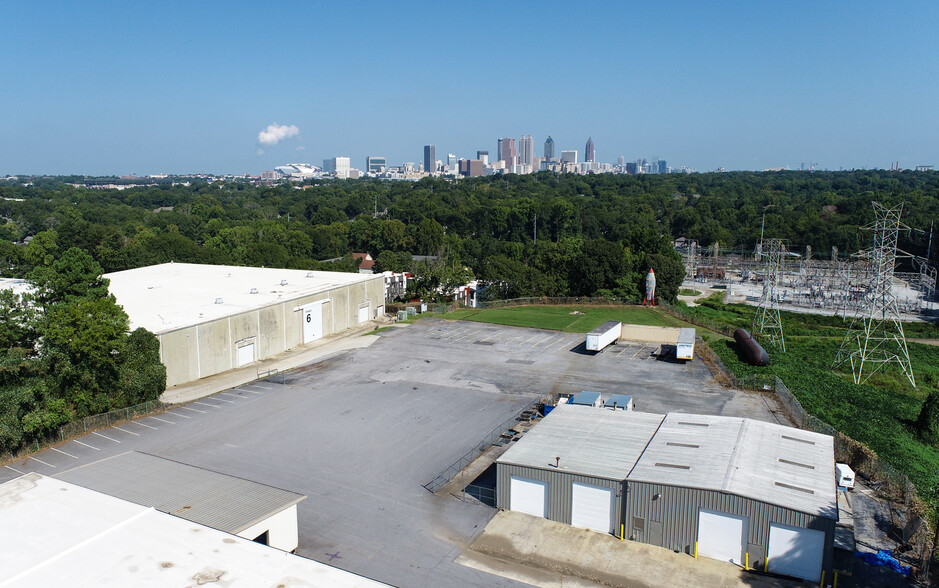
x=252, y=391
x=85, y=444
x=162, y=420
x=63, y=453
x=190, y=409
x=527, y=340
x=40, y=461
x=15, y=470
x=222, y=399
x=105, y=436
x=641, y=347
x=229, y=394
x=622, y=351
x=143, y=425
x=126, y=431
x=259, y=386
x=205, y=404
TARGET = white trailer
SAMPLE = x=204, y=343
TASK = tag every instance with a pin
x=845, y=476
x=684, y=349
x=603, y=335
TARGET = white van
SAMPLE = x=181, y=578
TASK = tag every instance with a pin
x=845, y=475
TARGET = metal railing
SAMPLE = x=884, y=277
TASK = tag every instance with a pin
x=444, y=477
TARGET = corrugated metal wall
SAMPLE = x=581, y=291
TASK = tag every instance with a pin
x=560, y=490
x=677, y=509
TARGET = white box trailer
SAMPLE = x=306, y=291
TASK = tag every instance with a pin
x=603, y=335
x=684, y=349
x=845, y=475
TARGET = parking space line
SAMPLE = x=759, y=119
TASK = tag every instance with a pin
x=63, y=453
x=222, y=399
x=126, y=431
x=192, y=409
x=105, y=436
x=259, y=386
x=622, y=351
x=527, y=340
x=641, y=347
x=252, y=391
x=162, y=420
x=15, y=470
x=85, y=444
x=143, y=425
x=229, y=394
x=205, y=404
x=566, y=343
x=40, y=461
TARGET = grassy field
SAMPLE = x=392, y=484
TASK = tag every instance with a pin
x=571, y=319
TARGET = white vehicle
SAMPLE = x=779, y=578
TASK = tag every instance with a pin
x=845, y=475
x=685, y=347
x=604, y=335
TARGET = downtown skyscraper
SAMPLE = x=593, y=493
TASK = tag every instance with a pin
x=590, y=154
x=507, y=153
x=526, y=151
x=549, y=149
x=430, y=158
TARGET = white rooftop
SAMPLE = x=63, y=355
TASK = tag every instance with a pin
x=170, y=296
x=592, y=441
x=56, y=534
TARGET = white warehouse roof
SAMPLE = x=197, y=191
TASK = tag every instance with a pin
x=209, y=498
x=590, y=441
x=56, y=533
x=170, y=296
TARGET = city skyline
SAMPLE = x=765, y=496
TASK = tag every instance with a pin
x=93, y=89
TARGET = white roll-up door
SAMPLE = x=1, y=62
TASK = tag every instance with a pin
x=796, y=552
x=528, y=496
x=313, y=322
x=245, y=354
x=363, y=314
x=721, y=535
x=592, y=507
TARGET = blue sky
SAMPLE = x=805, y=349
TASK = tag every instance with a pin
x=179, y=87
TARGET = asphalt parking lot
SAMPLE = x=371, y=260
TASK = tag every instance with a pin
x=360, y=433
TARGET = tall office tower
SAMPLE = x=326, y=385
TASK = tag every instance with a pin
x=451, y=163
x=663, y=166
x=430, y=158
x=483, y=156
x=526, y=150
x=507, y=152
x=569, y=156
x=375, y=165
x=621, y=161
x=549, y=149
x=591, y=154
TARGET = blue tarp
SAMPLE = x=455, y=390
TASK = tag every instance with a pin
x=884, y=557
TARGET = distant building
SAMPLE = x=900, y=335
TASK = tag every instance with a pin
x=631, y=167
x=663, y=166
x=590, y=154
x=483, y=156
x=430, y=158
x=472, y=168
x=375, y=165
x=270, y=175
x=507, y=152
x=339, y=166
x=621, y=161
x=526, y=151
x=451, y=163
x=549, y=149
x=569, y=156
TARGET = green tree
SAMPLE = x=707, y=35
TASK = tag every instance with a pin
x=73, y=276
x=927, y=424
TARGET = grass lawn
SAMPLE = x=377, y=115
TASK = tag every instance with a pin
x=571, y=319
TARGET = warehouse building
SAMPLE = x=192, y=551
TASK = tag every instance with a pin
x=250, y=510
x=59, y=534
x=212, y=318
x=756, y=494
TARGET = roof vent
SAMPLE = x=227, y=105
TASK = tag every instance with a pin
x=283, y=282
x=218, y=301
x=309, y=274
x=254, y=290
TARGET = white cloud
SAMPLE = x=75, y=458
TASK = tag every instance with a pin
x=301, y=148
x=276, y=133
x=260, y=151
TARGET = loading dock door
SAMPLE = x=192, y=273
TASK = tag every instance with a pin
x=245, y=354
x=313, y=322
x=721, y=536
x=796, y=552
x=528, y=496
x=363, y=314
x=592, y=507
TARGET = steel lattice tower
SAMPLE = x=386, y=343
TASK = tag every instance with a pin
x=766, y=321
x=876, y=337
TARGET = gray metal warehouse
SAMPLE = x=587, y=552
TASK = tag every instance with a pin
x=213, y=318
x=753, y=493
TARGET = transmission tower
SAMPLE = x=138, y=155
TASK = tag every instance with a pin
x=766, y=321
x=876, y=337
x=693, y=260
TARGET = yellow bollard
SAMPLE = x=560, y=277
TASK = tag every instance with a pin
x=766, y=564
x=696, y=550
x=622, y=532
x=746, y=561
x=835, y=578
x=822, y=581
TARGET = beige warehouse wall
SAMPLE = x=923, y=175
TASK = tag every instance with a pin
x=649, y=334
x=211, y=348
